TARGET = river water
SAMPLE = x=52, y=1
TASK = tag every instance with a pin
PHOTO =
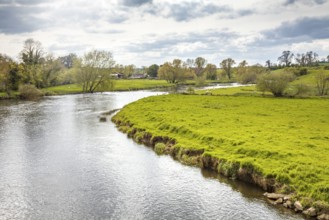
x=57, y=161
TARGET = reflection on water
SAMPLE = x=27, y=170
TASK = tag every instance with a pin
x=58, y=162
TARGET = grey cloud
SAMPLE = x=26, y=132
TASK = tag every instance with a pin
x=212, y=39
x=310, y=28
x=302, y=30
x=134, y=3
x=186, y=11
x=14, y=20
x=312, y=2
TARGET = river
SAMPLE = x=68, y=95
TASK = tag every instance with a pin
x=58, y=161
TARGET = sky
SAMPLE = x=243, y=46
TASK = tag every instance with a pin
x=145, y=32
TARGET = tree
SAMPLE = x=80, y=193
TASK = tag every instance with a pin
x=268, y=64
x=172, y=72
x=286, y=58
x=68, y=60
x=227, y=66
x=51, y=69
x=94, y=70
x=32, y=57
x=301, y=59
x=199, y=64
x=152, y=71
x=211, y=71
x=311, y=58
x=32, y=52
x=328, y=58
x=322, y=83
x=275, y=82
x=9, y=77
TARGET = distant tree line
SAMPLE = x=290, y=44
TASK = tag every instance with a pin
x=94, y=70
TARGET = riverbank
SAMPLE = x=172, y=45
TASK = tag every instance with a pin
x=277, y=144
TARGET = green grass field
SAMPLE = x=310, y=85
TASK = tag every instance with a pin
x=119, y=85
x=287, y=139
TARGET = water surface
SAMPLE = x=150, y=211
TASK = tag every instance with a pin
x=57, y=161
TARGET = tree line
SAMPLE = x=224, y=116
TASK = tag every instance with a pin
x=95, y=69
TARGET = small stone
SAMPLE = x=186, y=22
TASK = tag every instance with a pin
x=274, y=196
x=298, y=206
x=310, y=212
x=279, y=201
x=102, y=119
x=289, y=204
x=287, y=197
x=323, y=217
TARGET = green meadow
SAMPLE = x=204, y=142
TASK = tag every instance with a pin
x=118, y=85
x=285, y=139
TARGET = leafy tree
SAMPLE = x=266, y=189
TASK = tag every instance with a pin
x=152, y=71
x=286, y=58
x=32, y=57
x=328, y=58
x=275, y=82
x=172, y=72
x=94, y=70
x=250, y=74
x=200, y=64
x=211, y=71
x=227, y=66
x=51, y=68
x=128, y=70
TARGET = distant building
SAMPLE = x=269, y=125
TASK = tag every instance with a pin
x=138, y=76
x=116, y=75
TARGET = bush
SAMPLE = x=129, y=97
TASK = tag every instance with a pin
x=29, y=92
x=302, y=90
x=159, y=148
x=275, y=83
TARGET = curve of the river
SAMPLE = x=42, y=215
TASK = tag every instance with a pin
x=57, y=161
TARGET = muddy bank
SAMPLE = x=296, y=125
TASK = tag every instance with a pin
x=276, y=192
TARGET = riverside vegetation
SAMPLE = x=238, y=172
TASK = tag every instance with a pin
x=280, y=144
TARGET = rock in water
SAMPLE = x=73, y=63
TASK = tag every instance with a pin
x=298, y=206
x=310, y=212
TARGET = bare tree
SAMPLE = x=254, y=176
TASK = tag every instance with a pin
x=286, y=58
x=311, y=58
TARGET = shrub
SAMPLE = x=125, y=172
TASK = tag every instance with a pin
x=190, y=90
x=275, y=83
x=29, y=92
x=302, y=90
x=159, y=148
x=322, y=83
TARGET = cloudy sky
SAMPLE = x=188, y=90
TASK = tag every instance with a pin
x=143, y=32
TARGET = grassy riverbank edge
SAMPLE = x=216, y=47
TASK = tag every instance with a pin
x=247, y=171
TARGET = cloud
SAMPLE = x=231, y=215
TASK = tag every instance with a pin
x=135, y=3
x=187, y=45
x=305, y=28
x=309, y=2
x=15, y=20
x=187, y=10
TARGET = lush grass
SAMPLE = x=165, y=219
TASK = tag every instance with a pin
x=64, y=89
x=137, y=84
x=282, y=138
x=235, y=91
